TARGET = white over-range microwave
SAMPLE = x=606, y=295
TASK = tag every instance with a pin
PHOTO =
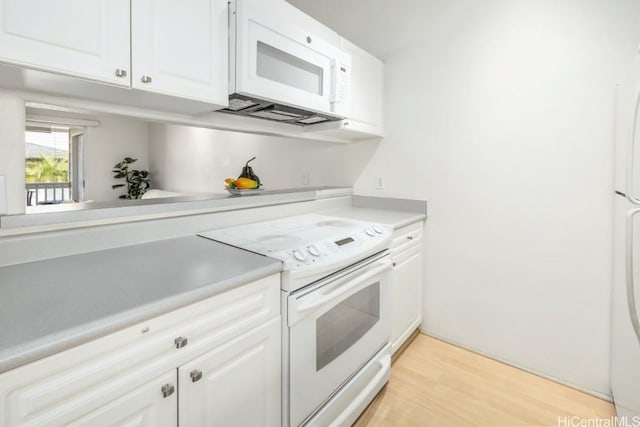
x=284, y=65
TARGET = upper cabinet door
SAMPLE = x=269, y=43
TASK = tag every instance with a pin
x=181, y=48
x=367, y=87
x=82, y=38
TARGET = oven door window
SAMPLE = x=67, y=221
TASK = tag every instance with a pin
x=342, y=326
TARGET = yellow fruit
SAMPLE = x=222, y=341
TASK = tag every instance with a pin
x=245, y=183
x=229, y=180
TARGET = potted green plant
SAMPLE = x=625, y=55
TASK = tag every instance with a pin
x=136, y=181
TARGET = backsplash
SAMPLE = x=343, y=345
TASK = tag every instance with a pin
x=196, y=160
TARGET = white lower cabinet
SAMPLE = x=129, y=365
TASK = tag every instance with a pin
x=237, y=384
x=406, y=283
x=151, y=405
x=133, y=377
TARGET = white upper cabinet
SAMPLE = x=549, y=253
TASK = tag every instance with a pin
x=82, y=38
x=367, y=89
x=180, y=48
x=365, y=96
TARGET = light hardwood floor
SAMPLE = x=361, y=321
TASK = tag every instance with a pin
x=437, y=384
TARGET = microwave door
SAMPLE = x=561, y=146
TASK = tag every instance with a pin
x=282, y=70
x=282, y=63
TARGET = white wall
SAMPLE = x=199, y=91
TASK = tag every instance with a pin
x=12, y=193
x=503, y=120
x=186, y=159
x=106, y=145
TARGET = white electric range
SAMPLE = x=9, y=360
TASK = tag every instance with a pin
x=335, y=311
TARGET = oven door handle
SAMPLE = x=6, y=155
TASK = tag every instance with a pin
x=322, y=298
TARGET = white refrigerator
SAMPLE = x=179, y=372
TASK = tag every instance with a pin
x=625, y=327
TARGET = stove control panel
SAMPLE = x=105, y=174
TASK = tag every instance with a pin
x=333, y=249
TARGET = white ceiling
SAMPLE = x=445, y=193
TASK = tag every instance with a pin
x=381, y=26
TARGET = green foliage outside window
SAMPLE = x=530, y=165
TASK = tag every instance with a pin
x=47, y=169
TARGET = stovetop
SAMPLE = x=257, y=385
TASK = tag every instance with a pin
x=309, y=245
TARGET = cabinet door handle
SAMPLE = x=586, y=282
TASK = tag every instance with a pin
x=121, y=73
x=181, y=342
x=167, y=390
x=409, y=237
x=196, y=375
x=146, y=79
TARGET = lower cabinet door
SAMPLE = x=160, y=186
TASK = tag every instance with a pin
x=407, y=295
x=237, y=384
x=154, y=404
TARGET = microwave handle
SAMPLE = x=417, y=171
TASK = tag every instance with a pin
x=382, y=265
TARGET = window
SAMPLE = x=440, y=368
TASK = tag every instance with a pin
x=53, y=164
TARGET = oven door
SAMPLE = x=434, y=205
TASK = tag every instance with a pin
x=335, y=327
x=275, y=58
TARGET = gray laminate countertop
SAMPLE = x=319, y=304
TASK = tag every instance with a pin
x=52, y=305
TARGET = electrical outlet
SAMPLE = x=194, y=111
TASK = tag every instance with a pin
x=305, y=178
x=380, y=183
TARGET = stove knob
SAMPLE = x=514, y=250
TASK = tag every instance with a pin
x=299, y=255
x=370, y=231
x=313, y=250
x=377, y=229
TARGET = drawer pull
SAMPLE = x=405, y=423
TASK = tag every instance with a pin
x=167, y=390
x=121, y=73
x=146, y=79
x=181, y=342
x=196, y=375
x=409, y=237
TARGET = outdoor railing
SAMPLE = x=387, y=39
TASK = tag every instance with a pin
x=46, y=193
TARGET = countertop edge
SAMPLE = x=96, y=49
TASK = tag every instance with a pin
x=41, y=348
x=409, y=221
x=140, y=210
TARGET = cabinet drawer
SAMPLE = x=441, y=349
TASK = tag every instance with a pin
x=406, y=236
x=223, y=318
x=81, y=379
